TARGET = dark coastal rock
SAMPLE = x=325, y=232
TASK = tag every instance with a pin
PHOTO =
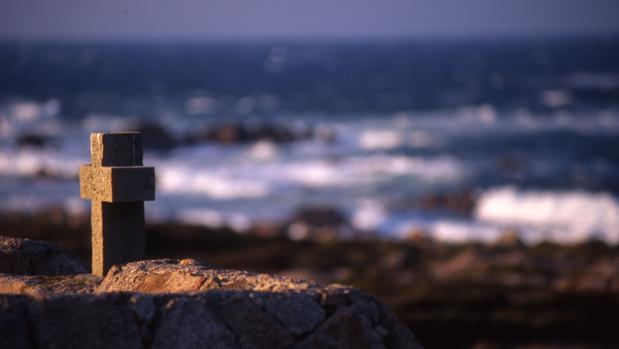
x=352, y=331
x=215, y=319
x=155, y=136
x=462, y=202
x=15, y=331
x=85, y=321
x=320, y=223
x=33, y=140
x=189, y=322
x=186, y=304
x=299, y=313
x=320, y=216
x=229, y=133
x=28, y=257
x=262, y=310
x=247, y=132
x=253, y=326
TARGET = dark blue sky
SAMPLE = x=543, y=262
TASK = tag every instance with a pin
x=267, y=19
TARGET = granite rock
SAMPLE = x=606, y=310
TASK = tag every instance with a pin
x=28, y=257
x=170, y=275
x=84, y=321
x=48, y=285
x=189, y=322
x=263, y=310
x=186, y=304
x=14, y=326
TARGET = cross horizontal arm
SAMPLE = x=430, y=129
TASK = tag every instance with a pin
x=117, y=183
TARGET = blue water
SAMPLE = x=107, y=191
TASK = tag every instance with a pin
x=529, y=128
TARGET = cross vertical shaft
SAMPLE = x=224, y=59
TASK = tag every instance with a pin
x=117, y=185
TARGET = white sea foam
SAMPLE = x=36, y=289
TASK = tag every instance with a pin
x=371, y=215
x=259, y=171
x=483, y=114
x=380, y=139
x=263, y=151
x=368, y=215
x=28, y=111
x=560, y=216
x=27, y=116
x=238, y=184
x=211, y=182
x=358, y=170
x=372, y=139
x=213, y=218
x=105, y=122
x=32, y=163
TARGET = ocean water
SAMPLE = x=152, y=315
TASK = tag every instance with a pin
x=398, y=131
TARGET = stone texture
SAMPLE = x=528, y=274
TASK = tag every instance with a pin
x=344, y=329
x=85, y=321
x=117, y=184
x=171, y=275
x=253, y=327
x=188, y=322
x=299, y=313
x=14, y=322
x=213, y=319
x=116, y=149
x=28, y=257
x=117, y=234
x=44, y=285
x=95, y=183
x=260, y=307
x=185, y=304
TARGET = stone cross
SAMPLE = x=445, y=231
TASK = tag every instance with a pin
x=117, y=185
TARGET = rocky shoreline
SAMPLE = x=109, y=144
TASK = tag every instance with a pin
x=503, y=294
x=50, y=302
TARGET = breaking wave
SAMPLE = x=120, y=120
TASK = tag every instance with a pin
x=561, y=216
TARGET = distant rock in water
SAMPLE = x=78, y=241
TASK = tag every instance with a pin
x=155, y=136
x=186, y=304
x=318, y=223
x=245, y=132
x=462, y=202
x=33, y=140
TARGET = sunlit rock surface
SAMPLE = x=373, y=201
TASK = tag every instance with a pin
x=185, y=304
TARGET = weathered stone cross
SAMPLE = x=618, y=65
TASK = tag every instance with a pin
x=117, y=185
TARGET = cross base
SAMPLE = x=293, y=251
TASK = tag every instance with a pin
x=117, y=234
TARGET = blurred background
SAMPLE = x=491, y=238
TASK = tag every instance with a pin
x=460, y=160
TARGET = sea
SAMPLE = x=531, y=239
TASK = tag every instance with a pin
x=392, y=133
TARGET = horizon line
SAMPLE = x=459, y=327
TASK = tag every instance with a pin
x=312, y=39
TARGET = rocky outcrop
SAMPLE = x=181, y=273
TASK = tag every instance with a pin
x=186, y=304
x=188, y=275
x=216, y=319
x=45, y=285
x=245, y=132
x=28, y=257
x=33, y=140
